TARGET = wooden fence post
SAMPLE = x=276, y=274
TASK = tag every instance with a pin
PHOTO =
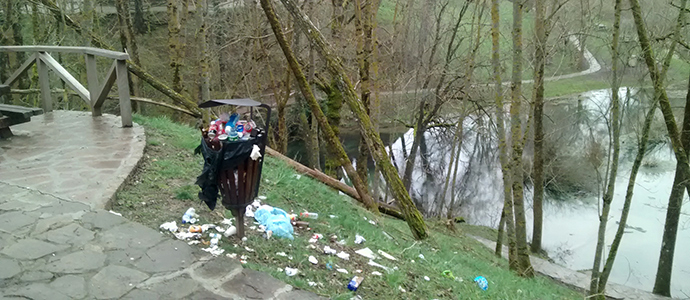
x=123, y=92
x=44, y=84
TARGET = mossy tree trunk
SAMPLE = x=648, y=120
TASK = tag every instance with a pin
x=376, y=148
x=175, y=44
x=538, y=166
x=524, y=267
x=205, y=86
x=336, y=147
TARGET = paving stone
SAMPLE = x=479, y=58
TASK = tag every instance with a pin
x=36, y=291
x=253, y=285
x=170, y=255
x=70, y=285
x=299, y=294
x=77, y=262
x=30, y=276
x=217, y=268
x=31, y=249
x=9, y=268
x=71, y=234
x=19, y=205
x=204, y=294
x=114, y=281
x=177, y=288
x=130, y=235
x=52, y=222
x=141, y=294
x=11, y=221
x=101, y=219
x=124, y=257
x=64, y=207
x=5, y=239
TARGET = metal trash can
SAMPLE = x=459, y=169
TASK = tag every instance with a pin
x=228, y=167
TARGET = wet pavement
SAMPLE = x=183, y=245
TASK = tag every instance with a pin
x=57, y=241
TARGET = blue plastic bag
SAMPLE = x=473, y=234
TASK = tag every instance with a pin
x=482, y=282
x=275, y=220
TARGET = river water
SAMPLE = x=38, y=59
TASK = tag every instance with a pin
x=570, y=222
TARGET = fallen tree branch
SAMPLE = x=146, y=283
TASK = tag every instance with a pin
x=335, y=184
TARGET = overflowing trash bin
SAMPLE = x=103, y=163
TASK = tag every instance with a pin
x=233, y=149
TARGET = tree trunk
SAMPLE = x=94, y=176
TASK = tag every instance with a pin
x=538, y=167
x=334, y=102
x=139, y=19
x=507, y=213
x=662, y=284
x=363, y=32
x=451, y=205
x=596, y=283
x=202, y=7
x=524, y=265
x=412, y=216
x=454, y=143
x=174, y=44
x=332, y=140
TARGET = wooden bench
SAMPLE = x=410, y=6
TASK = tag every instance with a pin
x=14, y=114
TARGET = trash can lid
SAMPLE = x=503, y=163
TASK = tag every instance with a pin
x=238, y=102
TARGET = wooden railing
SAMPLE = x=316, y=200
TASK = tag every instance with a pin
x=95, y=94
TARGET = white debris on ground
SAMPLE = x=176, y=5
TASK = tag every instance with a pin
x=386, y=255
x=214, y=250
x=313, y=260
x=342, y=271
x=376, y=273
x=115, y=213
x=328, y=250
x=375, y=264
x=366, y=252
x=343, y=255
x=290, y=271
x=359, y=239
x=169, y=226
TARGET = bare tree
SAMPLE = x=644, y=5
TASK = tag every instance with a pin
x=175, y=44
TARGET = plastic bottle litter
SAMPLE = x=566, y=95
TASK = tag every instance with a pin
x=359, y=239
x=290, y=271
x=354, y=283
x=232, y=230
x=309, y=215
x=482, y=282
x=189, y=216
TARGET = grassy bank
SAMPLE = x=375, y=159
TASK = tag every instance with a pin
x=162, y=189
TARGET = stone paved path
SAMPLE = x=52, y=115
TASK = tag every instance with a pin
x=57, y=244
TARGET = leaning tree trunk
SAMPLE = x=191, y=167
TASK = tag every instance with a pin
x=596, y=286
x=662, y=284
x=376, y=148
x=524, y=265
x=332, y=140
x=363, y=35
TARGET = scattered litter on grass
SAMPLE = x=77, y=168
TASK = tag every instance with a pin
x=262, y=198
x=311, y=283
x=311, y=246
x=482, y=282
x=283, y=254
x=343, y=255
x=256, y=203
x=422, y=256
x=232, y=230
x=357, y=297
x=206, y=227
x=412, y=260
x=195, y=229
x=342, y=271
x=358, y=271
x=189, y=216
x=401, y=289
x=252, y=227
x=275, y=220
x=226, y=222
x=427, y=278
x=354, y=283
x=248, y=249
x=376, y=273
x=214, y=250
x=185, y=235
x=290, y=271
x=359, y=239
x=315, y=237
x=115, y=213
x=249, y=213
x=170, y=226
x=372, y=222
x=329, y=250
x=244, y=257
x=366, y=252
x=341, y=242
x=193, y=243
x=313, y=259
x=244, y=239
x=268, y=234
x=386, y=255
x=375, y=264
x=290, y=257
x=448, y=274
x=298, y=176
x=332, y=216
